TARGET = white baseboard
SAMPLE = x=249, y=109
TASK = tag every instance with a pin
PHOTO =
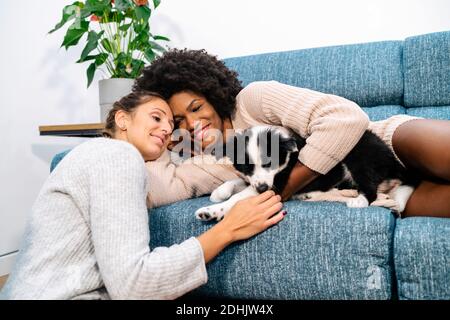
x=6, y=263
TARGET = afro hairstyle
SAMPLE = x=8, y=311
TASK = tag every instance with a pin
x=196, y=71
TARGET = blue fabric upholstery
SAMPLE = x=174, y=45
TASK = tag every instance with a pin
x=440, y=113
x=326, y=250
x=319, y=251
x=57, y=158
x=426, y=62
x=383, y=112
x=422, y=258
x=369, y=74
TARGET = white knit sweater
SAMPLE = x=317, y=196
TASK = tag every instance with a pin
x=88, y=234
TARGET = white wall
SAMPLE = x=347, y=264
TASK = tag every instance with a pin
x=242, y=27
x=40, y=84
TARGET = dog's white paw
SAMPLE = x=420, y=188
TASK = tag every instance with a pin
x=210, y=213
x=358, y=202
x=301, y=196
x=402, y=195
x=307, y=195
x=221, y=194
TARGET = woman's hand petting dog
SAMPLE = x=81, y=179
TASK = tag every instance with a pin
x=253, y=215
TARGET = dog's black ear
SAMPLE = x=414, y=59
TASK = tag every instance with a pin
x=289, y=144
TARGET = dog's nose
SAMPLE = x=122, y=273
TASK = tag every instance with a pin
x=262, y=187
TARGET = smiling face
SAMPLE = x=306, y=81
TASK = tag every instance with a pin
x=192, y=112
x=147, y=127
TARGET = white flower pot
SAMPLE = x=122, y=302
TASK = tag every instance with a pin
x=111, y=90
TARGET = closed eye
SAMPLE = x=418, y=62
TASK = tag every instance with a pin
x=197, y=108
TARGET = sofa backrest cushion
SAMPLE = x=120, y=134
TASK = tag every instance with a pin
x=383, y=112
x=57, y=159
x=369, y=74
x=440, y=113
x=426, y=61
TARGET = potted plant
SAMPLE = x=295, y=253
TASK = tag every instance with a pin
x=118, y=42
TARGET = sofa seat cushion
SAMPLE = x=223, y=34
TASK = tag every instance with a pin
x=319, y=251
x=369, y=74
x=441, y=113
x=426, y=61
x=383, y=112
x=421, y=258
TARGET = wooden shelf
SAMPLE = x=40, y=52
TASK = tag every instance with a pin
x=3, y=281
x=73, y=130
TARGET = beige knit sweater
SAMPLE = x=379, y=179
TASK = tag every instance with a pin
x=332, y=126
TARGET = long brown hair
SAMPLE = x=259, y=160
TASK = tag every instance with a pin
x=128, y=104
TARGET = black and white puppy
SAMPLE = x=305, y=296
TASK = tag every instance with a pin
x=266, y=155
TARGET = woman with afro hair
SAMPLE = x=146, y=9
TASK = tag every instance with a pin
x=206, y=96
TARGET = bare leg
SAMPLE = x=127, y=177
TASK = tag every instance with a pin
x=424, y=145
x=429, y=199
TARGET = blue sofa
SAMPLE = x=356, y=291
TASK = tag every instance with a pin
x=326, y=250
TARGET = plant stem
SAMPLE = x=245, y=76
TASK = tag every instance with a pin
x=100, y=49
x=115, y=49
x=107, y=62
x=116, y=16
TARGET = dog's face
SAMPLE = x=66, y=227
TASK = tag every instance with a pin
x=261, y=153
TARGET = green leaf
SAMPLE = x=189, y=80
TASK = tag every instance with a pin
x=138, y=27
x=156, y=3
x=123, y=58
x=129, y=13
x=90, y=73
x=162, y=38
x=122, y=5
x=107, y=45
x=100, y=59
x=149, y=55
x=92, y=57
x=69, y=12
x=136, y=43
x=125, y=27
x=121, y=62
x=156, y=46
x=92, y=44
x=98, y=6
x=111, y=16
x=143, y=37
x=137, y=66
x=140, y=41
x=143, y=14
x=74, y=34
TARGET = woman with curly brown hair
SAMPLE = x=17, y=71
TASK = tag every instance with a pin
x=205, y=95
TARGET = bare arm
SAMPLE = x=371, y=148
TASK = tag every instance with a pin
x=300, y=177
